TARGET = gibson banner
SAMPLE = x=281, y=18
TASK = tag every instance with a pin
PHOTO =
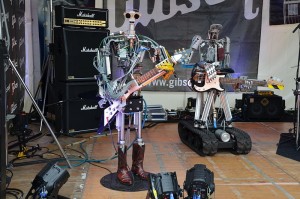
x=13, y=29
x=173, y=23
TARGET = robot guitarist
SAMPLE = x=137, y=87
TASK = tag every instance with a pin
x=119, y=62
x=214, y=63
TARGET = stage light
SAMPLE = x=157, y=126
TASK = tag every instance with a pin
x=199, y=182
x=48, y=182
x=164, y=186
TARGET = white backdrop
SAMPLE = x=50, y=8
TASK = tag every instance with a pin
x=278, y=57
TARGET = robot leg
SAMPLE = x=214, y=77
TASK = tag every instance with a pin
x=198, y=108
x=226, y=108
x=138, y=150
x=123, y=173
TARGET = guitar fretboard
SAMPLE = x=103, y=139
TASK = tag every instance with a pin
x=148, y=75
x=243, y=81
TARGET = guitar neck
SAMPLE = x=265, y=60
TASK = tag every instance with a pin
x=148, y=75
x=226, y=80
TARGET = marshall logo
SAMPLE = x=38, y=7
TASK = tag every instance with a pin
x=87, y=108
x=21, y=21
x=88, y=50
x=13, y=20
x=13, y=42
x=85, y=15
x=21, y=42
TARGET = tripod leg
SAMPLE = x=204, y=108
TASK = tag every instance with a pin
x=49, y=70
x=297, y=124
x=39, y=111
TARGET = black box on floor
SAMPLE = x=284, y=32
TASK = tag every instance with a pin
x=262, y=107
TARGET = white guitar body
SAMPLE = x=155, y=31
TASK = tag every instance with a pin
x=210, y=84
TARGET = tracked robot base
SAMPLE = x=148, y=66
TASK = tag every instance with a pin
x=207, y=141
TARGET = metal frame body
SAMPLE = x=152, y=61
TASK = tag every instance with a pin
x=213, y=56
x=119, y=62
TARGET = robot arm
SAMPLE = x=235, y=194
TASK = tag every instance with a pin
x=187, y=54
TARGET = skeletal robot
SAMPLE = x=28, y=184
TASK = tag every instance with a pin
x=119, y=63
x=208, y=132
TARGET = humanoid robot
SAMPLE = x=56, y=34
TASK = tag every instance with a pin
x=208, y=131
x=119, y=62
x=214, y=62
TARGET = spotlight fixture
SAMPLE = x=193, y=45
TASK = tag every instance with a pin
x=48, y=182
x=199, y=182
x=164, y=186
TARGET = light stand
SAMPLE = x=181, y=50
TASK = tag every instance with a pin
x=38, y=110
x=47, y=65
x=297, y=107
x=11, y=64
x=297, y=93
x=3, y=130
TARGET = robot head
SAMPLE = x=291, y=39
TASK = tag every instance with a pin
x=214, y=30
x=132, y=16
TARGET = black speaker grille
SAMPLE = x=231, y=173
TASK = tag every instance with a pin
x=74, y=52
x=77, y=110
x=262, y=107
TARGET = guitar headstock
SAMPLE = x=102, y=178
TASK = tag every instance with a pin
x=275, y=83
x=186, y=55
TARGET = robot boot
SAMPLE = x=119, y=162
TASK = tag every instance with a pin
x=137, y=161
x=123, y=173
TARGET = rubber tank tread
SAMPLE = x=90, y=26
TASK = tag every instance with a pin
x=243, y=140
x=202, y=141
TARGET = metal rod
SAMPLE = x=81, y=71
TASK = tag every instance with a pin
x=3, y=129
x=39, y=112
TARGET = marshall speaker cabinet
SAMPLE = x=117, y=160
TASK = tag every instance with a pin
x=74, y=52
x=262, y=107
x=77, y=37
x=76, y=107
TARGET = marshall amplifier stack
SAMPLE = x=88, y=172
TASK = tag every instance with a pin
x=77, y=36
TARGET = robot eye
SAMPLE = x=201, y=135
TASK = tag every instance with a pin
x=136, y=16
x=127, y=15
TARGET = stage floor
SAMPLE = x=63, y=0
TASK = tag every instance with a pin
x=260, y=174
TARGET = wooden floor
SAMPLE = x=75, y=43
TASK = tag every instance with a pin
x=260, y=174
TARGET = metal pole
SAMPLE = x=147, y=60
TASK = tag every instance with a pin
x=39, y=112
x=3, y=129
